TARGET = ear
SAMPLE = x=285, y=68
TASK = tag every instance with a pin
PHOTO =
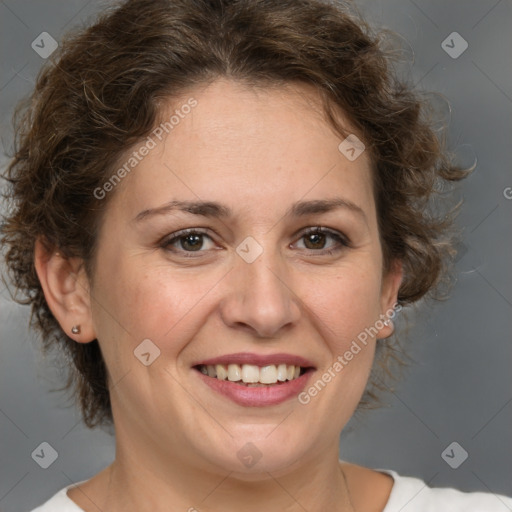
x=66, y=290
x=389, y=295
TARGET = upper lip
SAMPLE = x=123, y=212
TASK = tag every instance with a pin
x=241, y=358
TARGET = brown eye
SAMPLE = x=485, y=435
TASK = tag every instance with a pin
x=186, y=241
x=315, y=239
x=192, y=242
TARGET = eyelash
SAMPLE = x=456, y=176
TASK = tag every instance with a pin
x=175, y=237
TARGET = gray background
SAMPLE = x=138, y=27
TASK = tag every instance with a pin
x=459, y=389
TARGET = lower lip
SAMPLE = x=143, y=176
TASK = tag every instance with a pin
x=257, y=396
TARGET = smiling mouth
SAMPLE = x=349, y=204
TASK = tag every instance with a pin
x=249, y=375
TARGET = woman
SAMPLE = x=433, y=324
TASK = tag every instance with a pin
x=219, y=208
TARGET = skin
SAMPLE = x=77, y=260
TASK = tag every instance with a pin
x=256, y=151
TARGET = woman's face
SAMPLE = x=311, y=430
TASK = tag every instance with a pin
x=251, y=282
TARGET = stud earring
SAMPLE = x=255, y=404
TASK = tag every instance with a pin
x=75, y=329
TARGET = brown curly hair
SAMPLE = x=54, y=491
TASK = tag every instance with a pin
x=100, y=94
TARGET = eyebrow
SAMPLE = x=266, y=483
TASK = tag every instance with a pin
x=213, y=209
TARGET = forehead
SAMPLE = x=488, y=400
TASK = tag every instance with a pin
x=246, y=146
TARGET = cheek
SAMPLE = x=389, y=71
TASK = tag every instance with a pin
x=344, y=309
x=347, y=305
x=137, y=302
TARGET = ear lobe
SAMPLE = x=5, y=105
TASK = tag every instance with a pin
x=66, y=290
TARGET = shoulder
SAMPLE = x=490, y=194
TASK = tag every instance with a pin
x=411, y=494
x=60, y=502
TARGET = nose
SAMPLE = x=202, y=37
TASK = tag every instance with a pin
x=262, y=300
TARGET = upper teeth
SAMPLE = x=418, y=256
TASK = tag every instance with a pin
x=249, y=373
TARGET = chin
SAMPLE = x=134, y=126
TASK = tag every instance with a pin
x=251, y=458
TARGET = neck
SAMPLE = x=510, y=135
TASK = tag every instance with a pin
x=136, y=483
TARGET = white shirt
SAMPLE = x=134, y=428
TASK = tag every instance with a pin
x=407, y=495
